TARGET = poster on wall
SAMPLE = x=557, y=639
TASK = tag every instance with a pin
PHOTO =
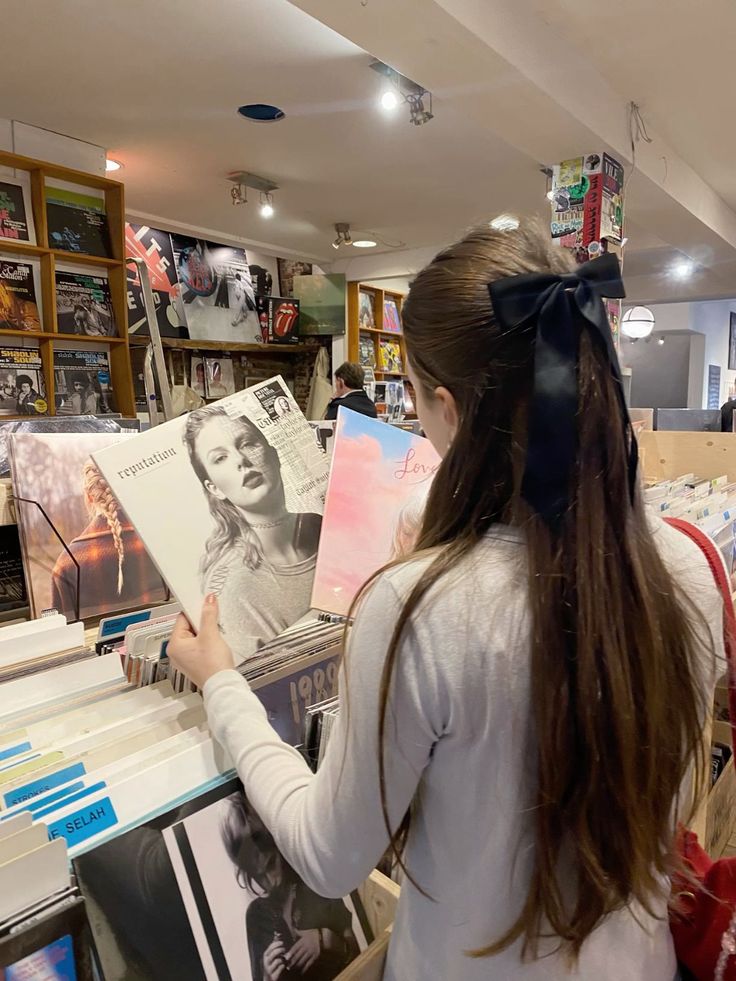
x=321, y=303
x=153, y=246
x=216, y=294
x=264, y=273
x=288, y=269
x=714, y=386
x=732, y=344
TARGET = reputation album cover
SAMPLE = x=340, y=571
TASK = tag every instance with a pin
x=248, y=476
x=379, y=480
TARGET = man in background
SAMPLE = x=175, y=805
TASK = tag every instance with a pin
x=727, y=415
x=349, y=381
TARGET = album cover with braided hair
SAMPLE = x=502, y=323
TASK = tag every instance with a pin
x=84, y=535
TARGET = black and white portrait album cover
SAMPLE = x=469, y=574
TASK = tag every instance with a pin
x=229, y=500
x=202, y=893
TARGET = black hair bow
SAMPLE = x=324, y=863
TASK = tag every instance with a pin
x=561, y=305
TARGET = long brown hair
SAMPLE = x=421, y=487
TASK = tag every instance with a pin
x=617, y=696
x=101, y=501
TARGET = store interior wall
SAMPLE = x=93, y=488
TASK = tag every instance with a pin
x=711, y=318
x=669, y=375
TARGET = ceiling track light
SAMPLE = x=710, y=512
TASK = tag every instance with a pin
x=343, y=235
x=266, y=204
x=397, y=88
x=242, y=180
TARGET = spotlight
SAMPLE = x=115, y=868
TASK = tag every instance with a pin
x=343, y=235
x=364, y=243
x=419, y=114
x=637, y=322
x=111, y=164
x=266, y=204
x=505, y=223
x=390, y=100
x=660, y=340
x=550, y=195
x=683, y=269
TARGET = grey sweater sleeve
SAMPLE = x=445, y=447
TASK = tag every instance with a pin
x=329, y=826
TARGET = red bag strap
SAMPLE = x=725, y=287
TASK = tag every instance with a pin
x=713, y=556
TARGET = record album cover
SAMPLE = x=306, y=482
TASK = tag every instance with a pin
x=114, y=570
x=16, y=213
x=50, y=424
x=250, y=478
x=18, y=303
x=288, y=269
x=84, y=305
x=22, y=387
x=390, y=357
x=366, y=351
x=204, y=890
x=391, y=316
x=367, y=310
x=77, y=222
x=279, y=319
x=153, y=246
x=13, y=594
x=83, y=383
x=379, y=479
x=322, y=300
x=219, y=376
x=216, y=297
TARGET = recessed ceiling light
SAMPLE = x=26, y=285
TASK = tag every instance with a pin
x=260, y=112
x=683, y=269
x=365, y=243
x=505, y=223
x=111, y=164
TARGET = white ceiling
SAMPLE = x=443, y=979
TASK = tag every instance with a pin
x=158, y=84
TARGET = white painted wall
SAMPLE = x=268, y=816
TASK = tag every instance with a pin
x=42, y=144
x=712, y=319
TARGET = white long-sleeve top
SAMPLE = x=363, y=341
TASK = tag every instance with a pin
x=460, y=746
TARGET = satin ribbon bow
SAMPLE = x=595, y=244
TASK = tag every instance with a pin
x=561, y=306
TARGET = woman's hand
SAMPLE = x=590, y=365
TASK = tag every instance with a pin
x=200, y=655
x=274, y=961
x=305, y=951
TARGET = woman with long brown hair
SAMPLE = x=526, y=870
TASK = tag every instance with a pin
x=524, y=696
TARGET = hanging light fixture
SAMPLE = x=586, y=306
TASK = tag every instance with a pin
x=637, y=322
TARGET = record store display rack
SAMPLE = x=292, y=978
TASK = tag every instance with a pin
x=47, y=256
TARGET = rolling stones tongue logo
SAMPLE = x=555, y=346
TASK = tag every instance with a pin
x=284, y=319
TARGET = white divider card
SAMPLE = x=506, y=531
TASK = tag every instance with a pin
x=181, y=714
x=32, y=800
x=59, y=683
x=45, y=623
x=18, y=650
x=106, y=711
x=33, y=876
x=16, y=845
x=112, y=628
x=17, y=823
x=85, y=822
x=235, y=469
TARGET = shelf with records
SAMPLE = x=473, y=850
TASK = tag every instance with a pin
x=176, y=343
x=62, y=268
x=375, y=339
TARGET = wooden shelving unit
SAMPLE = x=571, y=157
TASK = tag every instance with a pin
x=179, y=344
x=377, y=333
x=120, y=368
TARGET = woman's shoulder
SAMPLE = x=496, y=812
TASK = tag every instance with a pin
x=492, y=572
